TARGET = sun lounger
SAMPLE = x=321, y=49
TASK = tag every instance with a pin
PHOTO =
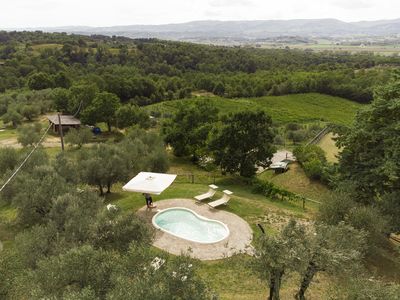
x=209, y=194
x=111, y=207
x=223, y=200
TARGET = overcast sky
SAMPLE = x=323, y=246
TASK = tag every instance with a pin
x=37, y=13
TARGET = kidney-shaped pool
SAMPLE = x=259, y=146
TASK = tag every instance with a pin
x=186, y=224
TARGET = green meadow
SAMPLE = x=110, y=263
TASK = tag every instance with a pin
x=300, y=108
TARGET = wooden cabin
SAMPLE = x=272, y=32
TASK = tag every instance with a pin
x=67, y=122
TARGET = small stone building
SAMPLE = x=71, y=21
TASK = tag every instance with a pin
x=67, y=122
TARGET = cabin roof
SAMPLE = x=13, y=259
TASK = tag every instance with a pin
x=65, y=120
x=279, y=165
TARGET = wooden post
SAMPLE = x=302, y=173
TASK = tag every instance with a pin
x=192, y=178
x=304, y=203
x=60, y=131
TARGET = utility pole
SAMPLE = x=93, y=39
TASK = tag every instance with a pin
x=60, y=131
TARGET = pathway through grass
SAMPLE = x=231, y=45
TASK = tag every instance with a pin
x=328, y=145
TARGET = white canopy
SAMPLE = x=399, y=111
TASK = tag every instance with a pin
x=150, y=183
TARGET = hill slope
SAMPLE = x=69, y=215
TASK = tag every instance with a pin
x=250, y=29
x=300, y=108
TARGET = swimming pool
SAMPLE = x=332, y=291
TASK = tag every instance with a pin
x=186, y=224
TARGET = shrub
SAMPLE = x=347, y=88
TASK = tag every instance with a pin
x=40, y=81
x=13, y=117
x=297, y=136
x=341, y=207
x=268, y=189
x=370, y=220
x=78, y=137
x=334, y=209
x=314, y=169
x=279, y=140
x=29, y=135
x=313, y=160
x=292, y=126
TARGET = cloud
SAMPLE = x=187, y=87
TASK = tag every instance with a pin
x=230, y=3
x=353, y=4
x=213, y=14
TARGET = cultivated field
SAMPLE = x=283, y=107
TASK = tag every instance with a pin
x=301, y=108
x=388, y=50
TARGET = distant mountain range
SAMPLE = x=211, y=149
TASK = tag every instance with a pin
x=198, y=30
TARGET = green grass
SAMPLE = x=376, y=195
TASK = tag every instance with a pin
x=328, y=145
x=8, y=215
x=231, y=278
x=301, y=108
x=223, y=277
x=295, y=180
x=8, y=134
x=251, y=207
x=325, y=45
x=52, y=152
x=46, y=46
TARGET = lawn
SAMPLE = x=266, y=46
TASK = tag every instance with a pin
x=231, y=278
x=223, y=275
x=301, y=108
x=7, y=133
x=328, y=145
x=296, y=181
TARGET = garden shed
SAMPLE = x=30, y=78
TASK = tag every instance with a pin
x=67, y=122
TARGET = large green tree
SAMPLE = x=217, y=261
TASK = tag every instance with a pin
x=129, y=115
x=371, y=147
x=12, y=116
x=102, y=109
x=243, y=143
x=40, y=81
x=35, y=192
x=187, y=132
x=370, y=156
x=102, y=165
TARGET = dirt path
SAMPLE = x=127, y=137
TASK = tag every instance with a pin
x=327, y=143
x=278, y=156
x=282, y=155
x=49, y=142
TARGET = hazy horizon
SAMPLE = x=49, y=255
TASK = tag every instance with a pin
x=191, y=21
x=20, y=14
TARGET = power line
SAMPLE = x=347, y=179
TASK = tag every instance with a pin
x=33, y=150
x=25, y=160
x=79, y=109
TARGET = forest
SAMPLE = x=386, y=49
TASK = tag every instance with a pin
x=211, y=115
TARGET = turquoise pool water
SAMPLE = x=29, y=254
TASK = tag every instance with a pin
x=186, y=224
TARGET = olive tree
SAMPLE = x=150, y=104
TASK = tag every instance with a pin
x=334, y=249
x=29, y=135
x=278, y=254
x=78, y=137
